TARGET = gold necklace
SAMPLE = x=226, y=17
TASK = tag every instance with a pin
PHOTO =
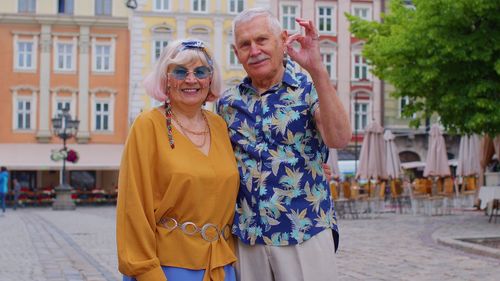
x=198, y=133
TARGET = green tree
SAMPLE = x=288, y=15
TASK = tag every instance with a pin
x=444, y=55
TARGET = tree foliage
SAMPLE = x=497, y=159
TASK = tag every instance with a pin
x=444, y=55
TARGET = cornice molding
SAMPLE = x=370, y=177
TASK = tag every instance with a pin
x=24, y=87
x=108, y=90
x=65, y=20
x=187, y=15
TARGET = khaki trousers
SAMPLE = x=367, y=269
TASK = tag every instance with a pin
x=313, y=260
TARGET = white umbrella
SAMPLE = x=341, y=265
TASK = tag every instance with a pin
x=333, y=162
x=469, y=156
x=372, y=158
x=436, y=163
x=393, y=163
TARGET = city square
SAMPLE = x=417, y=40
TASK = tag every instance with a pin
x=45, y=245
x=127, y=120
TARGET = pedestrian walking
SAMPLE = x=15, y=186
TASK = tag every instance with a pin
x=4, y=180
x=17, y=192
x=281, y=126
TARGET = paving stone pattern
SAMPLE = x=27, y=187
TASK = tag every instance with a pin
x=40, y=244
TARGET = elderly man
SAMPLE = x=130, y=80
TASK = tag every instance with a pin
x=281, y=126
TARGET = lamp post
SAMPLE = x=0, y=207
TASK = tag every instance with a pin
x=356, y=122
x=131, y=4
x=65, y=128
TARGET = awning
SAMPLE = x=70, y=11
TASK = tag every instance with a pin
x=17, y=156
x=421, y=164
x=412, y=165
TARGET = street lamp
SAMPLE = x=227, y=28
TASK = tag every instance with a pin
x=65, y=128
x=132, y=4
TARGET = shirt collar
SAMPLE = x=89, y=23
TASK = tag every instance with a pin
x=289, y=78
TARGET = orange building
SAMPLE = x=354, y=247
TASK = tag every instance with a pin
x=56, y=55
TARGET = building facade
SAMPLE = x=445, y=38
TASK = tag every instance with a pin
x=153, y=24
x=58, y=54
x=360, y=92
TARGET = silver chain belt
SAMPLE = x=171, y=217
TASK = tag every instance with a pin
x=190, y=228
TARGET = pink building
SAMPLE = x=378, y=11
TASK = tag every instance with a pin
x=360, y=91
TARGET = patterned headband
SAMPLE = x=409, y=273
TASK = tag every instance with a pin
x=195, y=44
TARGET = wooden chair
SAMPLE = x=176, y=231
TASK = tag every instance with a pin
x=346, y=189
x=333, y=190
x=347, y=204
x=470, y=183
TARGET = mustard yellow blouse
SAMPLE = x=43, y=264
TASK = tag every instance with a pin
x=182, y=183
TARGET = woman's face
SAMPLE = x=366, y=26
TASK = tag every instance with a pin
x=189, y=84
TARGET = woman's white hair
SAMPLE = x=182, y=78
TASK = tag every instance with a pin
x=155, y=82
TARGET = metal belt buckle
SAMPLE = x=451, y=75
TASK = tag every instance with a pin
x=225, y=232
x=204, y=230
x=189, y=228
x=169, y=223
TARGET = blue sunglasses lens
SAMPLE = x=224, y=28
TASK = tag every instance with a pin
x=201, y=72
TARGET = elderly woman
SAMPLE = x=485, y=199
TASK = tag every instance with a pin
x=178, y=177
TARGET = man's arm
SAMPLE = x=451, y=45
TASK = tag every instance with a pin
x=331, y=117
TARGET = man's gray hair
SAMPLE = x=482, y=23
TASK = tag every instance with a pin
x=249, y=14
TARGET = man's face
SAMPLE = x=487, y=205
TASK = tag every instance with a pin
x=259, y=49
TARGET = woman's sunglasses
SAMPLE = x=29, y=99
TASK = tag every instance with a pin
x=201, y=72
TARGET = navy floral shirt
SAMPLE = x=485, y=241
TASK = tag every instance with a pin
x=284, y=198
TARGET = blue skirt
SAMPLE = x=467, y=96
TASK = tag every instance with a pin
x=183, y=274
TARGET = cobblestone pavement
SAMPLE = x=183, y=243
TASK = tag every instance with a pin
x=41, y=244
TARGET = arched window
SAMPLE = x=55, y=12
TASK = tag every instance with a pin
x=160, y=35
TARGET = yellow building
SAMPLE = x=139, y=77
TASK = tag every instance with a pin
x=156, y=22
x=59, y=54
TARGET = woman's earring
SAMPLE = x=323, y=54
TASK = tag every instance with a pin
x=168, y=117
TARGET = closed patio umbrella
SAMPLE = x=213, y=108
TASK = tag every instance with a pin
x=489, y=147
x=393, y=164
x=436, y=163
x=333, y=162
x=469, y=156
x=372, y=160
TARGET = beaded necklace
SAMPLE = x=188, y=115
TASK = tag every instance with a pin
x=198, y=133
x=169, y=115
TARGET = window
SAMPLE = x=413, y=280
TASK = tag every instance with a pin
x=329, y=62
x=27, y=179
x=160, y=36
x=288, y=15
x=199, y=6
x=23, y=114
x=161, y=5
x=25, y=57
x=403, y=102
x=360, y=71
x=103, y=7
x=236, y=6
x=103, y=59
x=102, y=116
x=159, y=45
x=26, y=6
x=363, y=12
x=61, y=105
x=325, y=19
x=65, y=7
x=82, y=180
x=233, y=59
x=64, y=57
x=360, y=115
